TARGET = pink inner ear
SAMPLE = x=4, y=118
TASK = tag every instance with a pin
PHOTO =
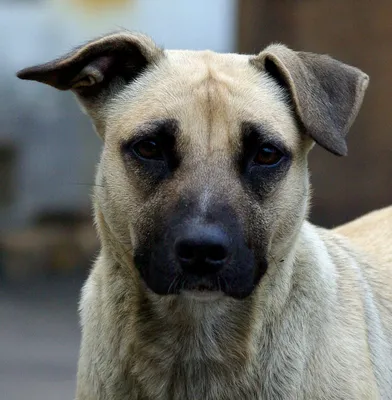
x=94, y=73
x=103, y=64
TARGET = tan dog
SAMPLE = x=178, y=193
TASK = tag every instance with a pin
x=211, y=284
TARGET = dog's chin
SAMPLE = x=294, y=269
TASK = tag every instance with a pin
x=200, y=289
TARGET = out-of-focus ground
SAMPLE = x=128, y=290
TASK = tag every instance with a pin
x=39, y=340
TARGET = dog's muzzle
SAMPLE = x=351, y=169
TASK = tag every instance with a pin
x=193, y=253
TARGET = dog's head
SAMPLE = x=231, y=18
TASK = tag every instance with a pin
x=203, y=175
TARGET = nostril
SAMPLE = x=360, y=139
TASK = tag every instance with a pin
x=186, y=251
x=216, y=253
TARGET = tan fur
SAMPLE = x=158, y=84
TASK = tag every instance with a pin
x=372, y=233
x=318, y=325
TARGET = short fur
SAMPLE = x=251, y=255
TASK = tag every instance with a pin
x=316, y=323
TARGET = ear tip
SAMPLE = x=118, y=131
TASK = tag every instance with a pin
x=343, y=153
x=26, y=73
x=341, y=150
x=337, y=146
x=365, y=81
x=21, y=74
x=36, y=73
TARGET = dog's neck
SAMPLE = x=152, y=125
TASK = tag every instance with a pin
x=188, y=346
x=216, y=330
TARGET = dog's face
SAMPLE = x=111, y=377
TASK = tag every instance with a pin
x=203, y=176
x=202, y=169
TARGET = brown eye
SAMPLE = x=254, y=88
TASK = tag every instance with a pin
x=148, y=149
x=268, y=155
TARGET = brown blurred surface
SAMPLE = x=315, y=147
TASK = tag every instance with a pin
x=61, y=246
x=359, y=33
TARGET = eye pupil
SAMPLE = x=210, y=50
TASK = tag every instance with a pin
x=268, y=155
x=148, y=149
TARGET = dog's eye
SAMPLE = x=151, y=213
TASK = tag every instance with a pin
x=268, y=155
x=148, y=149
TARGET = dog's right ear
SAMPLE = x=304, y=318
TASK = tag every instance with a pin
x=98, y=70
x=326, y=94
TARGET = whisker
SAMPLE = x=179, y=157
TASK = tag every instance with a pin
x=85, y=184
x=172, y=284
x=179, y=279
x=182, y=281
x=225, y=283
x=219, y=284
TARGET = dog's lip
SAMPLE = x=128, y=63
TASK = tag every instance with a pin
x=202, y=295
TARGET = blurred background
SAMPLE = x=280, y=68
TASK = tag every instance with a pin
x=48, y=149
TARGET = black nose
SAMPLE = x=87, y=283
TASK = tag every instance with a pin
x=202, y=250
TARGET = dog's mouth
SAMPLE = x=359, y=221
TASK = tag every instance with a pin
x=202, y=284
x=202, y=293
x=204, y=290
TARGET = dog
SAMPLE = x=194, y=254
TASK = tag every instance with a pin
x=211, y=284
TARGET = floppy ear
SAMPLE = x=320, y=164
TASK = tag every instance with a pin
x=326, y=94
x=98, y=70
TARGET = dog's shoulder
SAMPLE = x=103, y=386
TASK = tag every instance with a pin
x=370, y=239
x=362, y=255
x=370, y=236
x=372, y=233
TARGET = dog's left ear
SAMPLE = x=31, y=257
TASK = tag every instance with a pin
x=98, y=70
x=326, y=94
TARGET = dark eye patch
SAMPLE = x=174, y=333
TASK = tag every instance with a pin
x=152, y=150
x=264, y=159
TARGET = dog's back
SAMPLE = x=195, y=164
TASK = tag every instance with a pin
x=372, y=233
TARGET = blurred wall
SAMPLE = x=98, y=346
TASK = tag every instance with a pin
x=48, y=150
x=358, y=32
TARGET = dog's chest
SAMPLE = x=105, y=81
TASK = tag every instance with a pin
x=195, y=367
x=202, y=379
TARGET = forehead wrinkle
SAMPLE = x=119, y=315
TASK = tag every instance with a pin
x=214, y=127
x=209, y=95
x=216, y=92
x=159, y=127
